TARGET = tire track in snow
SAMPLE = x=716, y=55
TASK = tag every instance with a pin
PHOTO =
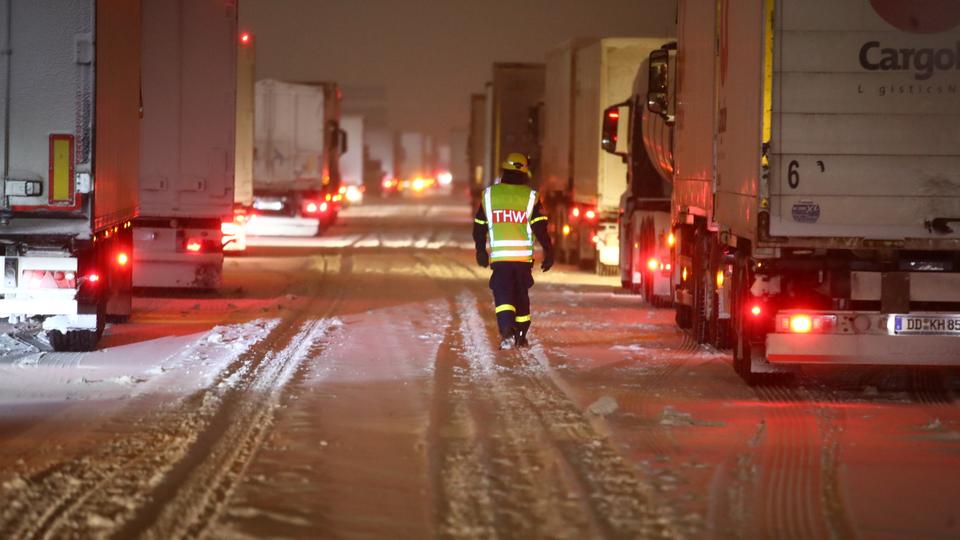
x=194, y=494
x=611, y=499
x=55, y=499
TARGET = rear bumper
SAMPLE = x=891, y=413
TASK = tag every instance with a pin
x=866, y=349
x=37, y=306
x=179, y=270
x=282, y=226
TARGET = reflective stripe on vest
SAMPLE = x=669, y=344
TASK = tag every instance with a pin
x=508, y=209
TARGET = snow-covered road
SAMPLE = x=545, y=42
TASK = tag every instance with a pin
x=348, y=386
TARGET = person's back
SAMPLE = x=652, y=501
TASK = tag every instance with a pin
x=512, y=216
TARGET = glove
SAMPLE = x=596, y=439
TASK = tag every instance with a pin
x=547, y=263
x=482, y=258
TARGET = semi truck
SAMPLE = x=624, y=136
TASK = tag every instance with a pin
x=234, y=226
x=351, y=162
x=514, y=99
x=297, y=147
x=476, y=147
x=70, y=162
x=644, y=141
x=187, y=142
x=816, y=196
x=583, y=185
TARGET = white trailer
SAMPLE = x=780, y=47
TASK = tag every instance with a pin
x=603, y=73
x=297, y=145
x=834, y=236
x=351, y=162
x=234, y=227
x=187, y=142
x=69, y=81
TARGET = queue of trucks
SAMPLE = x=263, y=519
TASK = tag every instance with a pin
x=142, y=153
x=785, y=175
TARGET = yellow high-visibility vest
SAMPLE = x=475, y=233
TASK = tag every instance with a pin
x=509, y=209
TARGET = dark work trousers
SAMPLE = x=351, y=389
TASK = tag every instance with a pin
x=510, y=283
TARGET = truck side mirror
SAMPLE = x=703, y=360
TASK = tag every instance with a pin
x=610, y=134
x=343, y=140
x=658, y=83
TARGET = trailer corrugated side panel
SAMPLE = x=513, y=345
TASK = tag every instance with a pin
x=695, y=107
x=557, y=125
x=117, y=146
x=289, y=135
x=189, y=108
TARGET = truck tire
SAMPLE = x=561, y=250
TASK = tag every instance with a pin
x=718, y=329
x=73, y=340
x=703, y=293
x=744, y=350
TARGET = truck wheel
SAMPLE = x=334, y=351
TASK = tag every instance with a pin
x=744, y=351
x=73, y=340
x=703, y=293
x=718, y=330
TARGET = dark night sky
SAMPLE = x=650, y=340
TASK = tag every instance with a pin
x=429, y=54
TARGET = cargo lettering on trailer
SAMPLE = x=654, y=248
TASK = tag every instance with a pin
x=924, y=62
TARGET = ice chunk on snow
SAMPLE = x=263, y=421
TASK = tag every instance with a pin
x=604, y=406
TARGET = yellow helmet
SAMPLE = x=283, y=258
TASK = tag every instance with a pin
x=516, y=162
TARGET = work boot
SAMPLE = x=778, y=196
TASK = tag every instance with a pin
x=520, y=338
x=506, y=343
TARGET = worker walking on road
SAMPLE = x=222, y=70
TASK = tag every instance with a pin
x=511, y=214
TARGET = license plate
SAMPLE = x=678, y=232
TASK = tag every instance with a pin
x=931, y=325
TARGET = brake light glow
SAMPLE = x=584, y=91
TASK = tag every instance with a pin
x=756, y=310
x=575, y=212
x=590, y=215
x=122, y=258
x=720, y=279
x=245, y=38
x=683, y=274
x=653, y=264
x=93, y=278
x=671, y=240
x=566, y=230
x=194, y=246
x=802, y=323
x=613, y=114
x=312, y=207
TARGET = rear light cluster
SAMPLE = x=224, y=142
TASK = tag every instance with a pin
x=49, y=279
x=803, y=323
x=314, y=208
x=588, y=214
x=200, y=245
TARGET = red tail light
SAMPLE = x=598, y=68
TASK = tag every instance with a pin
x=575, y=212
x=245, y=38
x=756, y=310
x=122, y=259
x=49, y=279
x=590, y=215
x=802, y=323
x=653, y=264
x=194, y=246
x=93, y=278
x=313, y=208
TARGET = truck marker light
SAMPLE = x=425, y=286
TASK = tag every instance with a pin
x=719, y=279
x=755, y=310
x=671, y=240
x=683, y=274
x=653, y=264
x=245, y=38
x=575, y=213
x=669, y=267
x=122, y=259
x=566, y=230
x=614, y=114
